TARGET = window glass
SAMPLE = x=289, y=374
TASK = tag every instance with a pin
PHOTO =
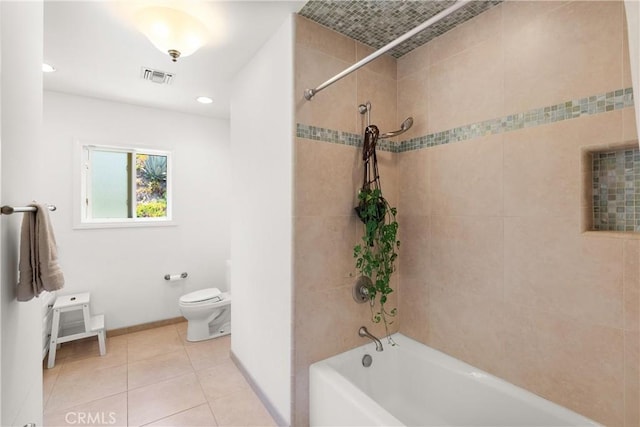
x=121, y=185
x=109, y=184
x=151, y=186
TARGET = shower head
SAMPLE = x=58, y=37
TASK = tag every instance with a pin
x=405, y=126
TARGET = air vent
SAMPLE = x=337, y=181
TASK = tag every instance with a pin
x=157, y=76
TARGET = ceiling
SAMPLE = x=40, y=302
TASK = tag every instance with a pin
x=377, y=23
x=98, y=51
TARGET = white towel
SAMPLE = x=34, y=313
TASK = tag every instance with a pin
x=39, y=269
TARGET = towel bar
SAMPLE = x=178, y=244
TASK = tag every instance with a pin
x=8, y=210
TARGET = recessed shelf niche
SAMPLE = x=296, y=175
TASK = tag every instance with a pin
x=615, y=189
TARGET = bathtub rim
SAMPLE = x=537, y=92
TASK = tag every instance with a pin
x=447, y=362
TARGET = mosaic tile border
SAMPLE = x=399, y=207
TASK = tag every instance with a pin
x=337, y=137
x=595, y=104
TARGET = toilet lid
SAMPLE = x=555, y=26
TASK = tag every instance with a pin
x=201, y=295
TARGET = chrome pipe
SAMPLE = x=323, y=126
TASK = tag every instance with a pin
x=405, y=126
x=363, y=332
x=310, y=93
x=8, y=210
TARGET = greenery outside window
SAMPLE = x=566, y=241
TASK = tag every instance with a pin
x=125, y=185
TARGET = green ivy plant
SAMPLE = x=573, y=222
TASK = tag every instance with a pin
x=376, y=254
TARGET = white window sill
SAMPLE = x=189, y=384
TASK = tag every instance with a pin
x=123, y=224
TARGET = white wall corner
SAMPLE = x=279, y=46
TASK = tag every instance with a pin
x=262, y=123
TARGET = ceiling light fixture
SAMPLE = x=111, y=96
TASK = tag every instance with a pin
x=204, y=100
x=46, y=68
x=172, y=31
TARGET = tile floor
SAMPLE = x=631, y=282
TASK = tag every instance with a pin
x=151, y=378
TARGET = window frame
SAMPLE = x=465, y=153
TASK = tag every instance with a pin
x=83, y=181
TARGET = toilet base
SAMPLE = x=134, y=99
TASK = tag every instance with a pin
x=200, y=331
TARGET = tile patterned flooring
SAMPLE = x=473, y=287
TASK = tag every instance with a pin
x=151, y=378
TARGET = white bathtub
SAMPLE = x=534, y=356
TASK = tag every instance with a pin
x=414, y=385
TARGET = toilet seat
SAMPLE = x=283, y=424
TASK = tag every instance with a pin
x=208, y=296
x=201, y=296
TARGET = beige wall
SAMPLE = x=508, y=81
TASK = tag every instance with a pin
x=326, y=179
x=495, y=268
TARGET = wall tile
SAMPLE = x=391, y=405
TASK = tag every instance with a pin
x=415, y=61
x=382, y=93
x=475, y=188
x=413, y=182
x=523, y=295
x=326, y=178
x=629, y=125
x=384, y=64
x=412, y=102
x=520, y=14
x=598, y=130
x=573, y=363
x=468, y=87
x=549, y=265
x=387, y=167
x=324, y=252
x=627, y=79
x=317, y=37
x=631, y=291
x=547, y=61
x=331, y=322
x=414, y=236
x=466, y=255
x=335, y=107
x=466, y=36
x=467, y=327
x=327, y=323
x=414, y=308
x=327, y=314
x=554, y=185
x=632, y=378
x=301, y=398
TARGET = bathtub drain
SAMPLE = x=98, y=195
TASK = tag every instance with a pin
x=367, y=360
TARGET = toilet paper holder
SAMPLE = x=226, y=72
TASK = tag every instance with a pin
x=176, y=276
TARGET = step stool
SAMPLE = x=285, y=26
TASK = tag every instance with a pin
x=91, y=325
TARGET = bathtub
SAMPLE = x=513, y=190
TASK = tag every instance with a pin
x=414, y=385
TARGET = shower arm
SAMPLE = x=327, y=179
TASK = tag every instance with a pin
x=405, y=126
x=391, y=134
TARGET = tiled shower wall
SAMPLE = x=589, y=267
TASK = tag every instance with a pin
x=495, y=267
x=327, y=176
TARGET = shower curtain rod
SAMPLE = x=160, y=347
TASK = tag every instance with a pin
x=8, y=210
x=309, y=93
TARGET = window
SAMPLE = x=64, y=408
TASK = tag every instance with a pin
x=125, y=185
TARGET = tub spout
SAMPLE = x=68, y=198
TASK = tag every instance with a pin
x=364, y=333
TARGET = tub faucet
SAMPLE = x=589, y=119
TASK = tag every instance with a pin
x=364, y=333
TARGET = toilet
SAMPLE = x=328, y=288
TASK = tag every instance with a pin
x=208, y=312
